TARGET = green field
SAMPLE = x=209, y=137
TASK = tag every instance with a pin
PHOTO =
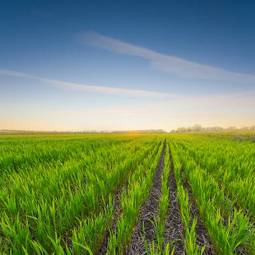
x=127, y=193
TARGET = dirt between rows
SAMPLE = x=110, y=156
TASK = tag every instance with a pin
x=240, y=250
x=203, y=238
x=174, y=233
x=144, y=232
x=116, y=214
x=201, y=232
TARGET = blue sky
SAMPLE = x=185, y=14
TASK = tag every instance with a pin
x=117, y=65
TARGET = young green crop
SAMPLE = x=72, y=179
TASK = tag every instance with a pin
x=189, y=223
x=229, y=228
x=42, y=203
x=58, y=191
x=131, y=201
x=89, y=232
x=160, y=220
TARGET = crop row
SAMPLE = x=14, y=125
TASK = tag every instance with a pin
x=161, y=194
x=42, y=207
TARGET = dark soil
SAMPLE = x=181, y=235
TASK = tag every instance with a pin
x=201, y=232
x=203, y=238
x=174, y=228
x=241, y=250
x=116, y=214
x=144, y=229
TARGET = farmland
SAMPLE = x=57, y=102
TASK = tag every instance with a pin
x=127, y=194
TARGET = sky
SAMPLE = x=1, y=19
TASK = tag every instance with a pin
x=126, y=65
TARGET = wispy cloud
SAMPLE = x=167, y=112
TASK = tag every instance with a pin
x=87, y=88
x=235, y=108
x=244, y=97
x=167, y=63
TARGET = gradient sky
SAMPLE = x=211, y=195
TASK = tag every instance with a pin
x=117, y=65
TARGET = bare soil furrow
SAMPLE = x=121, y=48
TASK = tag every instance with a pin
x=116, y=214
x=241, y=250
x=202, y=236
x=174, y=229
x=144, y=230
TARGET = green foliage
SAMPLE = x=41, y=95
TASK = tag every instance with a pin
x=212, y=165
x=58, y=192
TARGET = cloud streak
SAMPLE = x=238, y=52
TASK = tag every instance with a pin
x=182, y=110
x=166, y=63
x=242, y=98
x=86, y=88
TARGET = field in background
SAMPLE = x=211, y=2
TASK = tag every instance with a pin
x=128, y=193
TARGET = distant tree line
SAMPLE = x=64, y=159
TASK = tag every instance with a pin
x=199, y=128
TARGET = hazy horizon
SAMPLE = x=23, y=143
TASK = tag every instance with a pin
x=100, y=66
